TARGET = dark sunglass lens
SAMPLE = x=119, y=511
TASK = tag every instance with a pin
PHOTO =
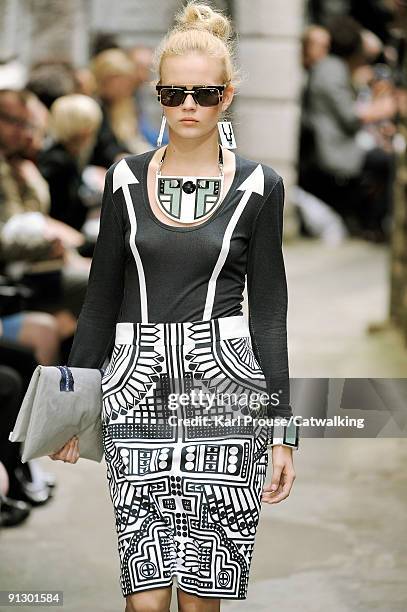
x=171, y=97
x=207, y=96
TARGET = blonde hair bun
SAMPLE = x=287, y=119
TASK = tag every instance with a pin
x=203, y=17
x=200, y=29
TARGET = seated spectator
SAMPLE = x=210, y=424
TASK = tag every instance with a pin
x=35, y=248
x=11, y=395
x=315, y=45
x=340, y=171
x=50, y=80
x=37, y=136
x=74, y=121
x=85, y=81
x=21, y=492
x=149, y=114
x=119, y=133
x=101, y=41
x=36, y=330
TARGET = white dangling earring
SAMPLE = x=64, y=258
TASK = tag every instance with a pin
x=162, y=128
x=226, y=134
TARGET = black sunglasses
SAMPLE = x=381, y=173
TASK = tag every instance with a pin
x=204, y=95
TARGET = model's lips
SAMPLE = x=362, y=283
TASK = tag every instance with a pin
x=189, y=120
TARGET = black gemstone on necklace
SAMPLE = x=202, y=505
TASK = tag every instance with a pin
x=189, y=187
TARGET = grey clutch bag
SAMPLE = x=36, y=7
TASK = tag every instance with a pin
x=61, y=402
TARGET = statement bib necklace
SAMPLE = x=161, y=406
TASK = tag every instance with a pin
x=189, y=199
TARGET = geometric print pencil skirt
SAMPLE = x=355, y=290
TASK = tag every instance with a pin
x=186, y=459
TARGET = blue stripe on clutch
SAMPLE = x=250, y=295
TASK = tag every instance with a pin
x=66, y=382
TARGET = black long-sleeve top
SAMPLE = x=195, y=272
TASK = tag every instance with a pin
x=61, y=171
x=146, y=270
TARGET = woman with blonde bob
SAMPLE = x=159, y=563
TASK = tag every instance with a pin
x=74, y=123
x=181, y=228
x=75, y=118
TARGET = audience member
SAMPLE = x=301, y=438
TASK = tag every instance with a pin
x=35, y=248
x=315, y=45
x=36, y=138
x=85, y=82
x=102, y=41
x=119, y=133
x=148, y=112
x=341, y=171
x=75, y=120
x=24, y=489
x=36, y=330
x=50, y=80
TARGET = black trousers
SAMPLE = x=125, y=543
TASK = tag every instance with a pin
x=11, y=395
x=17, y=364
x=377, y=188
x=366, y=199
x=53, y=291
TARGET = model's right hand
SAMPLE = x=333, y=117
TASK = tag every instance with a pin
x=283, y=475
x=69, y=453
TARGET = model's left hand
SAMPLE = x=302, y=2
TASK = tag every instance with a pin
x=283, y=475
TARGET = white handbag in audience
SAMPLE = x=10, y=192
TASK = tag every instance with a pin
x=61, y=402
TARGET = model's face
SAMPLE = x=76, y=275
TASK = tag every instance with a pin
x=194, y=69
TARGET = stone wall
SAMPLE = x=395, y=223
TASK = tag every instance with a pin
x=42, y=29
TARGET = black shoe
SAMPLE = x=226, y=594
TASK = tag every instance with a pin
x=13, y=511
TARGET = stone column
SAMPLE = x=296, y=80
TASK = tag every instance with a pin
x=59, y=30
x=267, y=107
x=14, y=30
x=398, y=268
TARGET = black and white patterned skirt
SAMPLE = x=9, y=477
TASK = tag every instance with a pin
x=185, y=472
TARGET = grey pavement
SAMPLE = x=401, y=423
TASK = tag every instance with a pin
x=336, y=543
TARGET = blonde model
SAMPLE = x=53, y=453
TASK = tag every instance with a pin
x=181, y=227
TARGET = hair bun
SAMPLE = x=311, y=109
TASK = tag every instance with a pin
x=203, y=17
